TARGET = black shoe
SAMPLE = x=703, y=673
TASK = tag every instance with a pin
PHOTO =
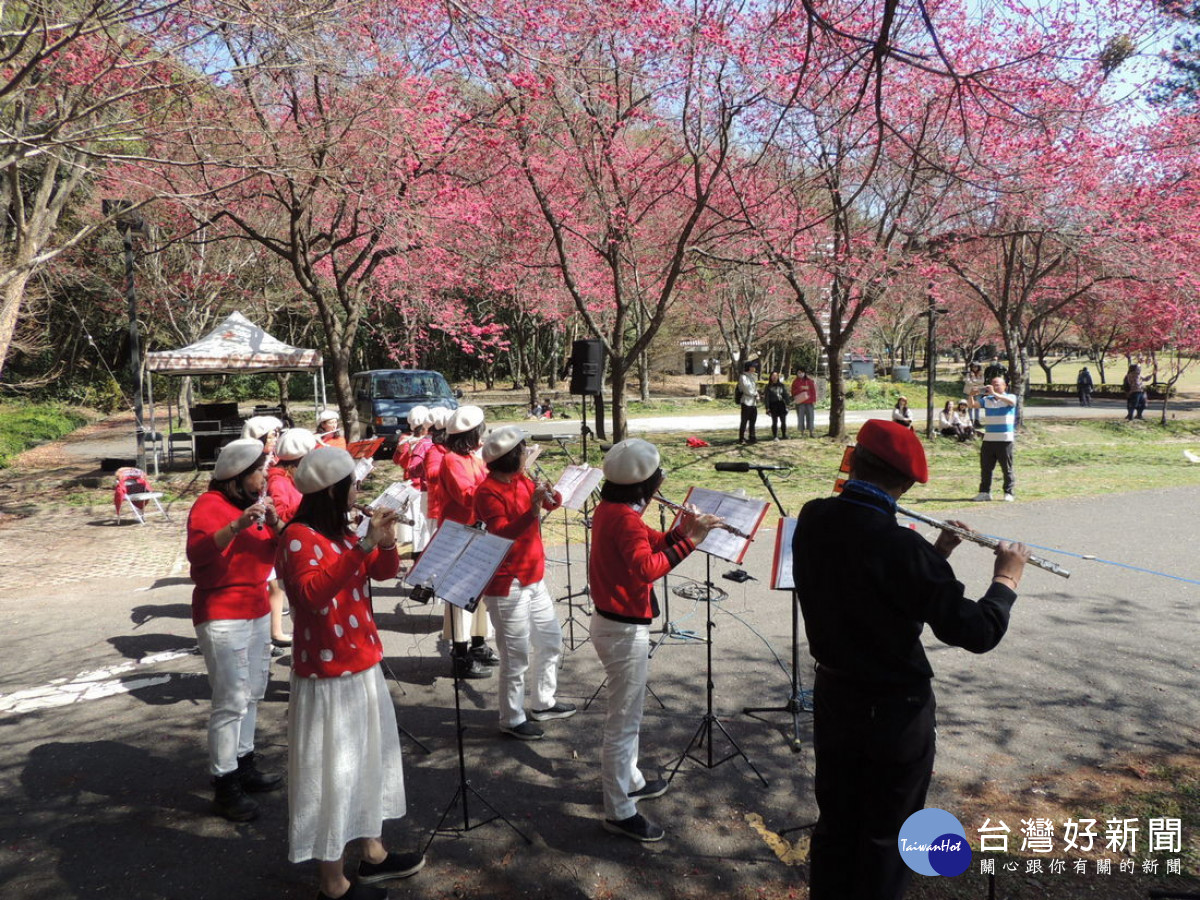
x=485, y=655
x=395, y=866
x=655, y=788
x=469, y=667
x=526, y=731
x=637, y=827
x=358, y=891
x=285, y=641
x=253, y=781
x=230, y=800
x=557, y=711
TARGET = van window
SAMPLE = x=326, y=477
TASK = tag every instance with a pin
x=411, y=386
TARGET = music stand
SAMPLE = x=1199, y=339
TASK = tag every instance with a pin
x=669, y=632
x=799, y=700
x=456, y=566
x=744, y=515
x=576, y=485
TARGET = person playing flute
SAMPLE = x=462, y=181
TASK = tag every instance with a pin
x=627, y=558
x=868, y=586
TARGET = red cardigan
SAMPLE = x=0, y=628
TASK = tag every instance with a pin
x=282, y=490
x=507, y=510
x=230, y=583
x=333, y=631
x=461, y=475
x=628, y=556
x=433, y=472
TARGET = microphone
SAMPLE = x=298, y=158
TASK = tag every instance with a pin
x=746, y=467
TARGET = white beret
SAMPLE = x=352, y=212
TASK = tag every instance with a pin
x=260, y=426
x=501, y=441
x=295, y=443
x=322, y=468
x=438, y=416
x=631, y=461
x=326, y=415
x=418, y=416
x=236, y=457
x=464, y=419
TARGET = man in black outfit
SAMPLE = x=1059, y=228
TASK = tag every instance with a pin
x=867, y=588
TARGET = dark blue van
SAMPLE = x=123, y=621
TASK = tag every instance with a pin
x=385, y=396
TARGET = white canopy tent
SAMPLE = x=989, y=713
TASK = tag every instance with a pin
x=236, y=347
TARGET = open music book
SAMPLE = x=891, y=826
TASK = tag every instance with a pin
x=782, y=576
x=576, y=485
x=743, y=513
x=458, y=563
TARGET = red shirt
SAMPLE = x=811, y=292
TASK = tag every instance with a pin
x=333, y=631
x=282, y=490
x=804, y=390
x=434, y=457
x=507, y=510
x=461, y=475
x=628, y=556
x=414, y=461
x=230, y=583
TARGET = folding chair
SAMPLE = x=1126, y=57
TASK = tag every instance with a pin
x=133, y=490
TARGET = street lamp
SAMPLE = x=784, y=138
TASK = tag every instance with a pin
x=128, y=220
x=931, y=313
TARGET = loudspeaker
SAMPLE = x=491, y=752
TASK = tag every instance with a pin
x=587, y=367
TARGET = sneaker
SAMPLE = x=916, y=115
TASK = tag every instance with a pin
x=230, y=800
x=982, y=497
x=358, y=891
x=637, y=827
x=557, y=711
x=1009, y=498
x=252, y=780
x=526, y=731
x=394, y=866
x=652, y=789
x=470, y=667
x=485, y=655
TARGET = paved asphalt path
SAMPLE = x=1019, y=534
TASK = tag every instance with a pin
x=103, y=705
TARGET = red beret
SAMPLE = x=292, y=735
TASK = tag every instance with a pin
x=897, y=445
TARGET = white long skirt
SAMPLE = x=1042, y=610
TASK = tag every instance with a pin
x=345, y=775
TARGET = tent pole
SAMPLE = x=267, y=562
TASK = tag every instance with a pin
x=155, y=445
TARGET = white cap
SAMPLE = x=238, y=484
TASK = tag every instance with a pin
x=464, y=419
x=321, y=468
x=438, y=416
x=260, y=426
x=295, y=443
x=326, y=415
x=631, y=462
x=418, y=416
x=236, y=457
x=501, y=441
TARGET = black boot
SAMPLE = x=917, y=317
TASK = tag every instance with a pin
x=466, y=665
x=230, y=800
x=254, y=781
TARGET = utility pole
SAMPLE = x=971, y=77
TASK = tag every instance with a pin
x=931, y=313
x=127, y=221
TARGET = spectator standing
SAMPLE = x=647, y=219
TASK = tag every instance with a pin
x=747, y=397
x=973, y=387
x=994, y=370
x=1135, y=392
x=999, y=431
x=804, y=396
x=1085, y=386
x=777, y=406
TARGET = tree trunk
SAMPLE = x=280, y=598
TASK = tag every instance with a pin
x=10, y=310
x=837, y=391
x=619, y=384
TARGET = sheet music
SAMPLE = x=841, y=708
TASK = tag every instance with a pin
x=398, y=496
x=458, y=563
x=782, y=576
x=576, y=485
x=362, y=468
x=743, y=513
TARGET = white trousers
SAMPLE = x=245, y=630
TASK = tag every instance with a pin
x=460, y=625
x=624, y=651
x=526, y=628
x=237, y=653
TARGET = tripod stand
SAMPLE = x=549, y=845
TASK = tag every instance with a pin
x=709, y=720
x=799, y=700
x=465, y=789
x=404, y=732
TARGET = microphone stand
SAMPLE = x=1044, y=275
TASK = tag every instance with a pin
x=798, y=701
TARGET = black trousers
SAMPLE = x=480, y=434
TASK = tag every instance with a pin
x=874, y=754
x=749, y=417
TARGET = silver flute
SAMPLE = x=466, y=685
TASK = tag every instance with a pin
x=659, y=498
x=1046, y=564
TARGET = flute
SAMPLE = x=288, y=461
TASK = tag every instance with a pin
x=369, y=511
x=1046, y=564
x=659, y=498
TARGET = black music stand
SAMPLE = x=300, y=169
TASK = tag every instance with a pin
x=799, y=700
x=439, y=572
x=710, y=721
x=669, y=632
